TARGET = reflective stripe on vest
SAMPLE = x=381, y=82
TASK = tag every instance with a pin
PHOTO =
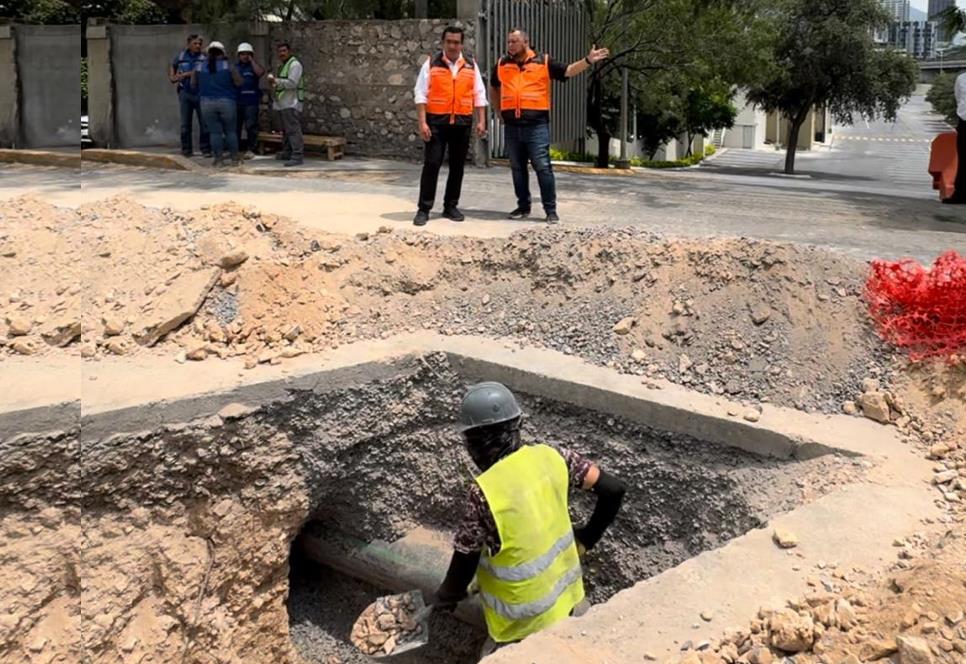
x=526, y=87
x=283, y=73
x=535, y=579
x=449, y=95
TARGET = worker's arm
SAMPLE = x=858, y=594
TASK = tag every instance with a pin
x=194, y=79
x=462, y=569
x=610, y=493
x=582, y=65
x=291, y=82
x=258, y=69
x=495, y=89
x=420, y=96
x=480, y=103
x=236, y=77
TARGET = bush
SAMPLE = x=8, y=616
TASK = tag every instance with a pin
x=583, y=158
x=942, y=98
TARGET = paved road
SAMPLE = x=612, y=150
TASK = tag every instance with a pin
x=864, y=195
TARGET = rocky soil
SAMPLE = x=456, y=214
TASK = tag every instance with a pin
x=752, y=320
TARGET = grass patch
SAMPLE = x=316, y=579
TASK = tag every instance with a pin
x=584, y=158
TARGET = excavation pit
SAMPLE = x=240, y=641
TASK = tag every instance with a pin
x=253, y=523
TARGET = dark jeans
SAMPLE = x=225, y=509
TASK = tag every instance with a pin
x=960, y=193
x=248, y=122
x=292, y=147
x=220, y=116
x=451, y=138
x=531, y=143
x=190, y=105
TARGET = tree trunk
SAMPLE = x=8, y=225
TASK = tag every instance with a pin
x=794, y=130
x=291, y=10
x=595, y=117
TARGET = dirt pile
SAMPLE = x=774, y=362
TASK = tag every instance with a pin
x=388, y=622
x=752, y=320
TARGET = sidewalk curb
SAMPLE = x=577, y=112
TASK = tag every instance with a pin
x=41, y=158
x=172, y=162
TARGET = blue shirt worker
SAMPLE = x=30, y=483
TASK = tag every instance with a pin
x=516, y=535
x=249, y=97
x=179, y=73
x=217, y=82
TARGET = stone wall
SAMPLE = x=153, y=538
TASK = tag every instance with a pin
x=360, y=78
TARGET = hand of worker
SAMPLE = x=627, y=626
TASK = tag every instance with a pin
x=425, y=132
x=597, y=54
x=481, y=129
x=441, y=603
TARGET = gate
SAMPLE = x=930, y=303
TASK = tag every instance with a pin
x=556, y=27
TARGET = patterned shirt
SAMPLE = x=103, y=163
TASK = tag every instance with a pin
x=478, y=529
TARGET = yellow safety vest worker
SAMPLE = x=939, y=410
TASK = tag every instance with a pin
x=535, y=579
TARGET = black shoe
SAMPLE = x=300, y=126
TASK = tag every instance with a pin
x=954, y=200
x=421, y=218
x=520, y=213
x=453, y=213
x=293, y=162
x=552, y=218
x=282, y=157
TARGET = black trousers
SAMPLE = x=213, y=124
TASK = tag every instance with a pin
x=451, y=138
x=960, y=193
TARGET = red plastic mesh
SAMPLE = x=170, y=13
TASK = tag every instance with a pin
x=920, y=309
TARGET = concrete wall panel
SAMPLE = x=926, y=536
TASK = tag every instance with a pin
x=48, y=58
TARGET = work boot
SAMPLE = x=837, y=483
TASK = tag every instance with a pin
x=293, y=162
x=520, y=213
x=552, y=218
x=421, y=218
x=453, y=213
x=248, y=155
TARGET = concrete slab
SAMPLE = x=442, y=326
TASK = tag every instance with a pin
x=138, y=158
x=60, y=158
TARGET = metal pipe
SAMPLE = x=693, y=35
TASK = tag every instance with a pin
x=418, y=560
x=623, y=163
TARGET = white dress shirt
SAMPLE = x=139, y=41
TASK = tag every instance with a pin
x=421, y=91
x=960, y=89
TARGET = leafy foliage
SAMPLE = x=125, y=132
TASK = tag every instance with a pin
x=942, y=97
x=825, y=56
x=45, y=12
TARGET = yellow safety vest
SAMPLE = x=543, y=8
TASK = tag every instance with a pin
x=535, y=579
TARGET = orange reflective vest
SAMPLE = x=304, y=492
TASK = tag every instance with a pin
x=524, y=87
x=450, y=99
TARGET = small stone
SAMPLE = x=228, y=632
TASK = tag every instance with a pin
x=233, y=258
x=760, y=313
x=624, y=326
x=197, y=354
x=784, y=538
x=18, y=326
x=913, y=650
x=875, y=407
x=113, y=326
x=227, y=279
x=292, y=333
x=684, y=363
x=486, y=299
x=849, y=408
x=871, y=385
x=791, y=632
x=752, y=415
x=181, y=357
x=877, y=649
x=362, y=237
x=938, y=451
x=707, y=616
x=759, y=655
x=638, y=356
x=945, y=477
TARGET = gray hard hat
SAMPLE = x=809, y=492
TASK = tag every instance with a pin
x=488, y=403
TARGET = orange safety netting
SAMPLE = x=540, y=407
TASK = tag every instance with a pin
x=920, y=309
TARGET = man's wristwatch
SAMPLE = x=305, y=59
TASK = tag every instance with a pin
x=587, y=60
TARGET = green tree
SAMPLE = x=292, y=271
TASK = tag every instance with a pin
x=43, y=12
x=670, y=47
x=942, y=97
x=826, y=57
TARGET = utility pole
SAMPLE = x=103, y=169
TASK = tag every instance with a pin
x=622, y=162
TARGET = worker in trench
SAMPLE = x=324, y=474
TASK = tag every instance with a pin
x=516, y=535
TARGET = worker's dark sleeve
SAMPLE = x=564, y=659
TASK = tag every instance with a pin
x=495, y=77
x=462, y=568
x=610, y=493
x=558, y=70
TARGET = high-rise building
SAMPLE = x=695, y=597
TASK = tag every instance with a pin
x=898, y=9
x=937, y=7
x=917, y=38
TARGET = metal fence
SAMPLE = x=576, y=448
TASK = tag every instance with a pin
x=556, y=27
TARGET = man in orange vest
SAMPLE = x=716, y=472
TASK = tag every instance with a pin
x=449, y=91
x=521, y=84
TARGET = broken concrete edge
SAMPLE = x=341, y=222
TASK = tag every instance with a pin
x=144, y=159
x=41, y=158
x=781, y=433
x=61, y=417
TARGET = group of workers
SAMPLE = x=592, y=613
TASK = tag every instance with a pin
x=450, y=99
x=225, y=96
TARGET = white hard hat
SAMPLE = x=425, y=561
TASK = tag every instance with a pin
x=245, y=47
x=218, y=45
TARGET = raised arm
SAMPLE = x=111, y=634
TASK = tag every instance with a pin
x=595, y=56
